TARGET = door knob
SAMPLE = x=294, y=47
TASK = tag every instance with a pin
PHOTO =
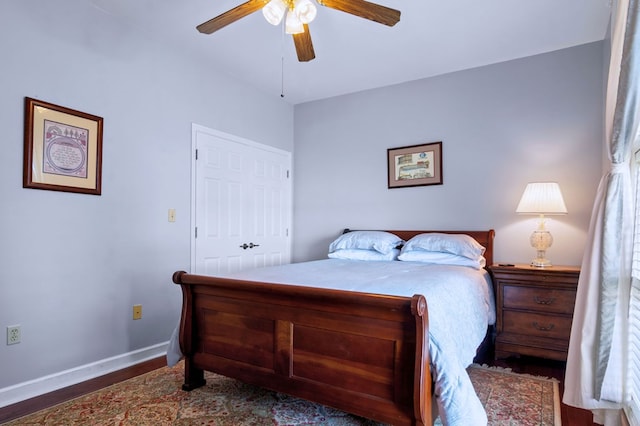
x=244, y=246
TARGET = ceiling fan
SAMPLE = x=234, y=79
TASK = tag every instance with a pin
x=299, y=13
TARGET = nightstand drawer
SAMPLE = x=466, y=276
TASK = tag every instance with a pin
x=539, y=299
x=529, y=324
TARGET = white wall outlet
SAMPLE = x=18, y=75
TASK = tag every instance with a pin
x=13, y=334
x=172, y=215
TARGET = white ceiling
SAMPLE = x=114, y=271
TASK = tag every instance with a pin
x=354, y=54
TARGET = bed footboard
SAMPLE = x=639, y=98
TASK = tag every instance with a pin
x=361, y=353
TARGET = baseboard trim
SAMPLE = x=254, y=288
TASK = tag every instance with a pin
x=25, y=398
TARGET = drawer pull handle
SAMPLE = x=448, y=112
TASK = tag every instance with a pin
x=543, y=328
x=540, y=301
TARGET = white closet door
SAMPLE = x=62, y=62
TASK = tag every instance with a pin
x=242, y=193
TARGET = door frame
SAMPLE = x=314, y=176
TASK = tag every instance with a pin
x=195, y=128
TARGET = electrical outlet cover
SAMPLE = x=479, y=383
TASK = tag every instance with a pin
x=137, y=312
x=13, y=334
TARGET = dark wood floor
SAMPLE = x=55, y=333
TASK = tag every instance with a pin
x=570, y=416
x=32, y=405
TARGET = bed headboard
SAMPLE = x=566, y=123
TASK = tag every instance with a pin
x=485, y=238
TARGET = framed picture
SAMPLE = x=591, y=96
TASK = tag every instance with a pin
x=415, y=165
x=62, y=149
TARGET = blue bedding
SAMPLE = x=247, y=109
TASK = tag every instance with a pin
x=460, y=305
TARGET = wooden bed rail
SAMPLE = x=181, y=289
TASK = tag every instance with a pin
x=366, y=354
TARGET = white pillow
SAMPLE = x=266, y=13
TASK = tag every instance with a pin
x=458, y=244
x=380, y=241
x=441, y=258
x=356, y=254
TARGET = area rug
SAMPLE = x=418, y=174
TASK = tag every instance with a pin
x=156, y=398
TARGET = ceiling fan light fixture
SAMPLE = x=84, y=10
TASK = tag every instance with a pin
x=274, y=11
x=306, y=11
x=293, y=25
x=299, y=14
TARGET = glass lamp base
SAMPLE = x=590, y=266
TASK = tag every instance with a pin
x=541, y=240
x=540, y=263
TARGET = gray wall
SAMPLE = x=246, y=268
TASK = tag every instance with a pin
x=533, y=119
x=73, y=265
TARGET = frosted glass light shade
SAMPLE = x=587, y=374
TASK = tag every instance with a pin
x=274, y=11
x=306, y=11
x=542, y=198
x=293, y=25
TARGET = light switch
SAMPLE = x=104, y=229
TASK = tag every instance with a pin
x=172, y=215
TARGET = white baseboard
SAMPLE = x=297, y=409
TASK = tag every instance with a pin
x=40, y=386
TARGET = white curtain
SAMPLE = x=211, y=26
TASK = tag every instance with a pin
x=596, y=366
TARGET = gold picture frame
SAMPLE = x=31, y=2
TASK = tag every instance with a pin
x=415, y=165
x=62, y=149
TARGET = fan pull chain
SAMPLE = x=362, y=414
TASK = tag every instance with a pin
x=282, y=78
x=282, y=63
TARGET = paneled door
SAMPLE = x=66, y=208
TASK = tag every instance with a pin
x=242, y=203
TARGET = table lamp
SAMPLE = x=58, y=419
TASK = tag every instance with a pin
x=541, y=198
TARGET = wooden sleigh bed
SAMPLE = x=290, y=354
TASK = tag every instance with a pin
x=366, y=354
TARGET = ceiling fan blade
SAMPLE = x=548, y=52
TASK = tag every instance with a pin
x=365, y=9
x=304, y=46
x=230, y=16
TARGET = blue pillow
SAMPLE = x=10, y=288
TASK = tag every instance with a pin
x=356, y=254
x=440, y=258
x=458, y=244
x=379, y=241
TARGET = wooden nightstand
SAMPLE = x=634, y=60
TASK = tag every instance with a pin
x=534, y=309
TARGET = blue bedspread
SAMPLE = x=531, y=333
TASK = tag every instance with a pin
x=460, y=304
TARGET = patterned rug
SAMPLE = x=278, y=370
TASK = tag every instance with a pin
x=156, y=398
